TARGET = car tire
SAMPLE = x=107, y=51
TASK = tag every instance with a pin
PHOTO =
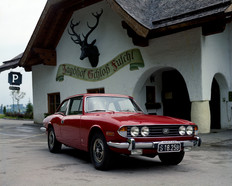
x=171, y=158
x=53, y=145
x=99, y=152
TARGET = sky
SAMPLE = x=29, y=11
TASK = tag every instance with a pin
x=18, y=19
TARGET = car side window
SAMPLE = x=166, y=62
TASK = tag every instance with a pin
x=63, y=107
x=75, y=107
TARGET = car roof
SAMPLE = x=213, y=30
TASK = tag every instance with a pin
x=99, y=94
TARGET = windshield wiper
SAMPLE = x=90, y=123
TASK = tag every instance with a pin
x=134, y=111
x=96, y=111
x=127, y=110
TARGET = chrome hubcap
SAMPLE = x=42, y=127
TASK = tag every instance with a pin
x=98, y=150
x=51, y=139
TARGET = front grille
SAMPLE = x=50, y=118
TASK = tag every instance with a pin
x=158, y=130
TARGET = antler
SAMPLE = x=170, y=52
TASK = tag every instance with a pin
x=73, y=33
x=92, y=28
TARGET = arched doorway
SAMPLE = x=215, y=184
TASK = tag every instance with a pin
x=215, y=105
x=169, y=90
x=175, y=95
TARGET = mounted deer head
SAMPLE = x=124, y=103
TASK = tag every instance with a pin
x=87, y=50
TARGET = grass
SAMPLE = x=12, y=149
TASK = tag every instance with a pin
x=8, y=117
x=11, y=117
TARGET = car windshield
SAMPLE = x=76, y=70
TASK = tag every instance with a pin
x=111, y=104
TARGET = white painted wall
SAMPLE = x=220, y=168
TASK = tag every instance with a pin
x=180, y=51
x=193, y=55
x=216, y=62
x=44, y=82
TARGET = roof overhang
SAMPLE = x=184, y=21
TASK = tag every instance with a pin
x=216, y=13
x=41, y=48
x=13, y=63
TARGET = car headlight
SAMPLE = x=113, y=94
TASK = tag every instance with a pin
x=182, y=130
x=123, y=131
x=145, y=131
x=189, y=130
x=134, y=131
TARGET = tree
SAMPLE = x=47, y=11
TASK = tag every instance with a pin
x=1, y=110
x=4, y=110
x=29, y=110
x=17, y=95
x=12, y=94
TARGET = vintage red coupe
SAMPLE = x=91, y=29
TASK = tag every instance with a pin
x=105, y=124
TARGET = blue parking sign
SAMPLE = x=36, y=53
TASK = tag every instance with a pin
x=15, y=78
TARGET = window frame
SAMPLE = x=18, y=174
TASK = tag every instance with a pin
x=80, y=107
x=53, y=109
x=66, y=107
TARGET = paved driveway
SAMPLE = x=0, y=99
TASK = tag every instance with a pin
x=25, y=160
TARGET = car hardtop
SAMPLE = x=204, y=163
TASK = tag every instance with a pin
x=85, y=95
x=99, y=95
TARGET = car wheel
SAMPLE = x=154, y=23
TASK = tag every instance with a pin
x=53, y=144
x=171, y=158
x=99, y=152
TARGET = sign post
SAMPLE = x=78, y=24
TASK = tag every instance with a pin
x=14, y=79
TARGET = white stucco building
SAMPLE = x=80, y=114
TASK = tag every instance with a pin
x=184, y=56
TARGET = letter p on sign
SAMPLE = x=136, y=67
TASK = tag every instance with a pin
x=15, y=78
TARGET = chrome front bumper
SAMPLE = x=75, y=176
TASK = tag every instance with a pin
x=43, y=129
x=132, y=145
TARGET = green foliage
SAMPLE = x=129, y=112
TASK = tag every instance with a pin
x=4, y=110
x=29, y=110
x=15, y=115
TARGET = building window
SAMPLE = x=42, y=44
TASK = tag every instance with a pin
x=53, y=102
x=96, y=90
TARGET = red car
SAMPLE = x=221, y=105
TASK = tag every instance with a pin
x=104, y=124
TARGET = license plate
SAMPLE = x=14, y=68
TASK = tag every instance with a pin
x=164, y=147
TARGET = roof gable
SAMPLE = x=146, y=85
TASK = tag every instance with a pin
x=144, y=18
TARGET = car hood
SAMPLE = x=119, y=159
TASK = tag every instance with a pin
x=143, y=119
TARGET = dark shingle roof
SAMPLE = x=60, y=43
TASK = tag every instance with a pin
x=159, y=13
x=13, y=63
x=155, y=14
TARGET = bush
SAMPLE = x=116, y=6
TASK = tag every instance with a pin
x=19, y=115
x=28, y=115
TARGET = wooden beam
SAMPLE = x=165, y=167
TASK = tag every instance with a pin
x=137, y=39
x=27, y=68
x=214, y=27
x=140, y=29
x=46, y=55
x=229, y=9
